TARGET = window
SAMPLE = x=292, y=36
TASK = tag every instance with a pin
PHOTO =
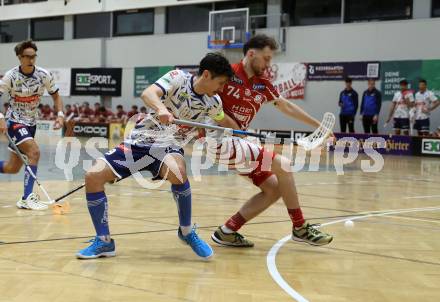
x=8, y=2
x=306, y=12
x=372, y=10
x=256, y=8
x=47, y=28
x=436, y=8
x=133, y=22
x=92, y=26
x=178, y=16
x=13, y=31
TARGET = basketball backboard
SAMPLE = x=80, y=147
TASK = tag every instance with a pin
x=228, y=28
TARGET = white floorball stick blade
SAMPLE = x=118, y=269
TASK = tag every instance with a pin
x=320, y=134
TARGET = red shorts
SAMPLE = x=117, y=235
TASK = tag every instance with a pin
x=237, y=151
x=257, y=176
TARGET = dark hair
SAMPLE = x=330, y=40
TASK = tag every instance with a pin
x=216, y=64
x=134, y=107
x=403, y=82
x=20, y=47
x=423, y=81
x=119, y=107
x=348, y=80
x=99, y=104
x=259, y=42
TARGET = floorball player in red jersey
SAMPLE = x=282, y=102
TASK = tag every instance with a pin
x=242, y=98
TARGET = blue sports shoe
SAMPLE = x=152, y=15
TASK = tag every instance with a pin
x=98, y=248
x=200, y=247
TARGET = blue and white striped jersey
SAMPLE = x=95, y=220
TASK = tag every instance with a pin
x=25, y=91
x=184, y=103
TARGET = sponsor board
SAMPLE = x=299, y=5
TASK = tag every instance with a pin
x=91, y=130
x=395, y=144
x=339, y=71
x=96, y=81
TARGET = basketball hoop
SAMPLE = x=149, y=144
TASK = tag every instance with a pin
x=228, y=28
x=220, y=43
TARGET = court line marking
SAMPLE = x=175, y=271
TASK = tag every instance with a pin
x=413, y=218
x=271, y=255
x=421, y=197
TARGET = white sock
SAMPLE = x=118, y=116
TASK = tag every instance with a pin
x=226, y=230
x=186, y=230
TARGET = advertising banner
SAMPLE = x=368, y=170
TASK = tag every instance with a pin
x=116, y=131
x=90, y=130
x=96, y=81
x=145, y=76
x=392, y=72
x=430, y=72
x=339, y=71
x=279, y=135
x=395, y=144
x=62, y=80
x=45, y=129
x=426, y=146
x=300, y=134
x=289, y=79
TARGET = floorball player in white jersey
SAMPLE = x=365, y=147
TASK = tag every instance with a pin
x=400, y=109
x=175, y=95
x=25, y=85
x=426, y=101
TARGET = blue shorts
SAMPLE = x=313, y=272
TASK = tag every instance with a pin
x=125, y=160
x=20, y=133
x=401, y=123
x=422, y=125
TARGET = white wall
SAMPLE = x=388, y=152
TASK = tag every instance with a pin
x=156, y=50
x=390, y=40
x=66, y=53
x=57, y=7
x=47, y=9
x=393, y=40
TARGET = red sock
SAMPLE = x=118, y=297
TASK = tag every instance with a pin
x=296, y=216
x=235, y=222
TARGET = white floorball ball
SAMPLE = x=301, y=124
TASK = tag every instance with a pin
x=349, y=224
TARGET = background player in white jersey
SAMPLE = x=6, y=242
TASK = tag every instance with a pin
x=402, y=101
x=425, y=102
x=177, y=94
x=25, y=85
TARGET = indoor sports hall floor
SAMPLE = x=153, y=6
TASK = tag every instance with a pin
x=391, y=254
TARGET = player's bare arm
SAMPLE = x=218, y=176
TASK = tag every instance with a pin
x=58, y=104
x=151, y=97
x=392, y=108
x=2, y=124
x=294, y=111
x=435, y=104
